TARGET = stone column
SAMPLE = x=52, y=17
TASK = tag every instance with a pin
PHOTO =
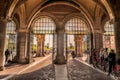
x=98, y=38
x=117, y=37
x=60, y=58
x=40, y=45
x=21, y=46
x=78, y=41
x=28, y=48
x=2, y=43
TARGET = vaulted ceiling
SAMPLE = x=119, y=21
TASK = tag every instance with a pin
x=94, y=8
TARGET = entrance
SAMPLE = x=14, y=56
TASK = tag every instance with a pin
x=11, y=43
x=43, y=37
x=78, y=38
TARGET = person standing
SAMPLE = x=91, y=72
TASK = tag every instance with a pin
x=111, y=60
x=7, y=53
x=73, y=54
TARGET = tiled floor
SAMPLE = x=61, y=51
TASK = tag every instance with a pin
x=43, y=69
x=61, y=72
x=19, y=68
x=80, y=71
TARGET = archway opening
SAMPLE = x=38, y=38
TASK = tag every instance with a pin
x=11, y=43
x=43, y=40
x=78, y=37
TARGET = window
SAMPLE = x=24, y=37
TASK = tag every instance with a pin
x=10, y=28
x=44, y=25
x=108, y=38
x=76, y=26
x=78, y=29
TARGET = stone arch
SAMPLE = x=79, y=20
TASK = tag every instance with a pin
x=109, y=9
x=22, y=16
x=81, y=9
x=16, y=19
x=83, y=33
x=12, y=7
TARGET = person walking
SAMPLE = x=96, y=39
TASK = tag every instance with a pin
x=94, y=58
x=111, y=60
x=105, y=59
x=101, y=57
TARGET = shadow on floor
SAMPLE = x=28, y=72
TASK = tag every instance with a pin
x=46, y=73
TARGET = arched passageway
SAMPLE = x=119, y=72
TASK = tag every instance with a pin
x=11, y=42
x=78, y=38
x=43, y=40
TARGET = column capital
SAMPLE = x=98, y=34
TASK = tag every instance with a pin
x=98, y=31
x=78, y=38
x=22, y=30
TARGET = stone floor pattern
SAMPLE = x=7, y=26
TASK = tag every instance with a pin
x=46, y=73
x=79, y=71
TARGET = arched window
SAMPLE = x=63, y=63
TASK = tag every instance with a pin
x=76, y=26
x=108, y=38
x=11, y=27
x=44, y=25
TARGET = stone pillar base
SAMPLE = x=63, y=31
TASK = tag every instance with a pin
x=79, y=55
x=22, y=61
x=39, y=55
x=29, y=61
x=2, y=68
x=60, y=60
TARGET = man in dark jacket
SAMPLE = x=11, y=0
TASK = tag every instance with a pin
x=7, y=53
x=111, y=60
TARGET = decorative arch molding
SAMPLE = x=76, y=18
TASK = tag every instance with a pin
x=60, y=3
x=40, y=8
x=109, y=9
x=16, y=20
x=22, y=16
x=81, y=9
x=12, y=7
x=97, y=12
